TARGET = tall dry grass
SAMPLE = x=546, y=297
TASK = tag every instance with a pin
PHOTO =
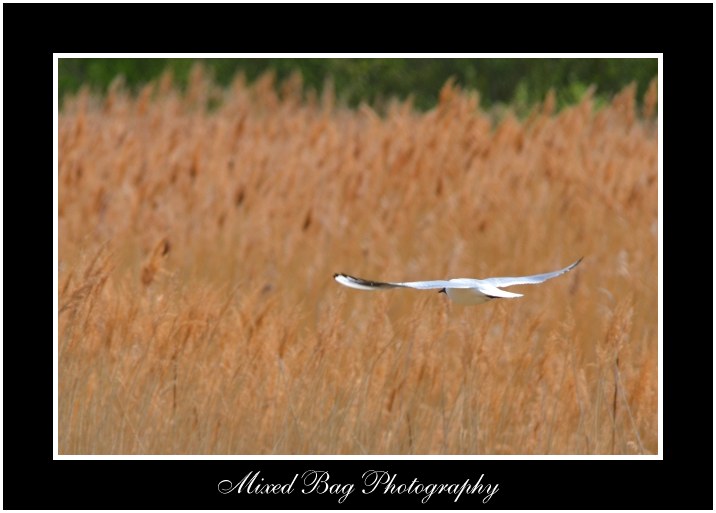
x=198, y=314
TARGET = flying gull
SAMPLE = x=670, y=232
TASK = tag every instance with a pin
x=463, y=291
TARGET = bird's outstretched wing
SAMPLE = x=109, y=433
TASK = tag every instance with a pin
x=360, y=283
x=528, y=280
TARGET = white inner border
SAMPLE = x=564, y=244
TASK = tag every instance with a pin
x=55, y=441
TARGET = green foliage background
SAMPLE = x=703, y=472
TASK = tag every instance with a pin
x=519, y=82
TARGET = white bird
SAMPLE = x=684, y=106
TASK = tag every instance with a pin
x=463, y=291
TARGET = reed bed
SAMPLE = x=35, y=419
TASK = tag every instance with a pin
x=198, y=236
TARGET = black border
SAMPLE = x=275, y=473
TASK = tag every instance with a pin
x=682, y=32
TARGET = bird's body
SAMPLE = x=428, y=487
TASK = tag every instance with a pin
x=463, y=291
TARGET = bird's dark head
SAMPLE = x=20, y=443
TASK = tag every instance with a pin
x=442, y=291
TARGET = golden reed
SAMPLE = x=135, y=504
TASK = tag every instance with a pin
x=198, y=236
